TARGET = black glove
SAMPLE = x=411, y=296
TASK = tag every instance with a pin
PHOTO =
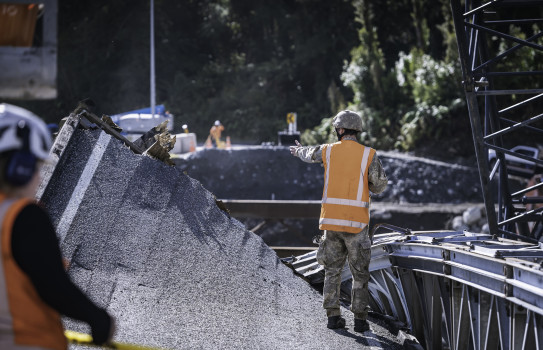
x=102, y=328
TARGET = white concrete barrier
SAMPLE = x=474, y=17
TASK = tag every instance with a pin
x=185, y=142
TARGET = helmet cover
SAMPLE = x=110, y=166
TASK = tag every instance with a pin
x=348, y=120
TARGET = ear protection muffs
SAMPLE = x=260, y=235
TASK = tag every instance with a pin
x=21, y=165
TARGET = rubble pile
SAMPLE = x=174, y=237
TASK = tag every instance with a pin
x=151, y=245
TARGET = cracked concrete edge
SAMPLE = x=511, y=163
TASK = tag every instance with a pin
x=57, y=150
x=408, y=340
x=158, y=149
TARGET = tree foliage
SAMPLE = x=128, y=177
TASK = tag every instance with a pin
x=246, y=63
x=405, y=74
x=249, y=63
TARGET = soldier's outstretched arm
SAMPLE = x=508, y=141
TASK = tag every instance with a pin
x=309, y=154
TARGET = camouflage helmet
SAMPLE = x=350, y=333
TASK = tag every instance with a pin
x=348, y=120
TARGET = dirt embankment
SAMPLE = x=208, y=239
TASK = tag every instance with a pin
x=273, y=173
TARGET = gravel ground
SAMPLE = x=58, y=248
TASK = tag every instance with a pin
x=273, y=173
x=150, y=244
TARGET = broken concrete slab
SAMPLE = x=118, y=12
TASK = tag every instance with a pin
x=151, y=245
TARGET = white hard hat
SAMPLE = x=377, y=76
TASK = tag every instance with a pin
x=217, y=122
x=36, y=137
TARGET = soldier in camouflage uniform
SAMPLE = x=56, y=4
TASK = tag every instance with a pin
x=355, y=245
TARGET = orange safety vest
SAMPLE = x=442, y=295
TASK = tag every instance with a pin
x=25, y=320
x=346, y=195
x=216, y=131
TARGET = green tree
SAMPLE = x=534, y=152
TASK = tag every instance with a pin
x=404, y=75
x=280, y=57
x=247, y=63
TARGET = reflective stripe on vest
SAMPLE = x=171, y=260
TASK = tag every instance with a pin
x=26, y=322
x=345, y=200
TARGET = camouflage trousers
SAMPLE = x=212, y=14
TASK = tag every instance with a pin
x=332, y=254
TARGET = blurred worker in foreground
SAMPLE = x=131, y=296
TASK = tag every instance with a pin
x=351, y=171
x=215, y=134
x=34, y=287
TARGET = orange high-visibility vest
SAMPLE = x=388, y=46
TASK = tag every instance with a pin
x=346, y=195
x=25, y=320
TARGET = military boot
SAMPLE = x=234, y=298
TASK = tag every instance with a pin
x=335, y=322
x=361, y=326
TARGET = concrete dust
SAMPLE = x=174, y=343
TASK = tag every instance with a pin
x=150, y=244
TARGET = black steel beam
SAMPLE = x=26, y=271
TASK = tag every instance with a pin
x=505, y=53
x=310, y=209
x=505, y=36
x=514, y=127
x=273, y=209
x=473, y=108
x=481, y=63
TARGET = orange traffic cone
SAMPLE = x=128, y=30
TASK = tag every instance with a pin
x=192, y=146
x=228, y=144
x=208, y=143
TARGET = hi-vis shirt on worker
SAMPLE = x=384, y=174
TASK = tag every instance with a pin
x=35, y=289
x=345, y=196
x=26, y=322
x=351, y=172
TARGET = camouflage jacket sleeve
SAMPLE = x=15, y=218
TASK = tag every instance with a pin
x=310, y=154
x=377, y=179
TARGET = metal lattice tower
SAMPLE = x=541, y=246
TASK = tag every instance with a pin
x=505, y=102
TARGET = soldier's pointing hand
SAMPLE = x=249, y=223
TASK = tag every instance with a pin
x=294, y=149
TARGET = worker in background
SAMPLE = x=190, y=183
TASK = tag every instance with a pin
x=34, y=286
x=351, y=171
x=215, y=134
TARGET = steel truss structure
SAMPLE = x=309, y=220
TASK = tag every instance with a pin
x=503, y=100
x=453, y=290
